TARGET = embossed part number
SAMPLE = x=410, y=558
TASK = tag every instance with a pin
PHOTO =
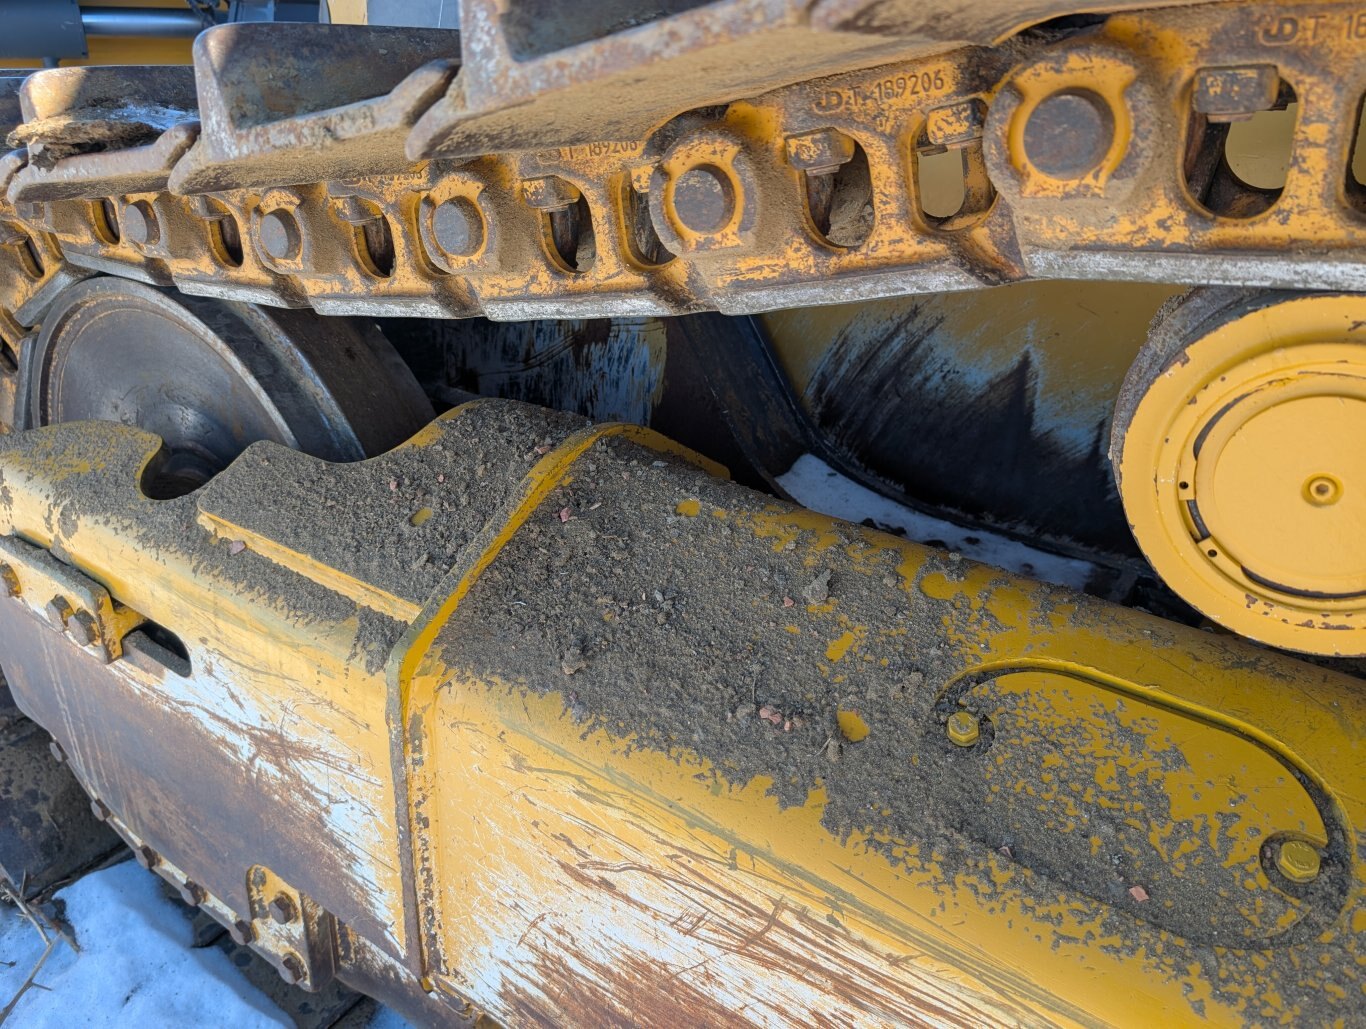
x=880, y=92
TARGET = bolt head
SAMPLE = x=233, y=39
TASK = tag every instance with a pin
x=1298, y=861
x=100, y=810
x=963, y=729
x=821, y=151
x=282, y=909
x=1069, y=133
x=58, y=612
x=241, y=932
x=550, y=193
x=58, y=754
x=279, y=234
x=140, y=224
x=191, y=893
x=146, y=857
x=956, y=124
x=704, y=199
x=292, y=969
x=458, y=227
x=355, y=211
x=1236, y=94
x=83, y=628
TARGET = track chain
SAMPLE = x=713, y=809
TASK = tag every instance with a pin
x=1097, y=153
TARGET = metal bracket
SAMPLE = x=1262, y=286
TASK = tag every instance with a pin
x=69, y=601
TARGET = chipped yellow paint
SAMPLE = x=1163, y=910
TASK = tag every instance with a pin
x=852, y=726
x=537, y=864
x=841, y=646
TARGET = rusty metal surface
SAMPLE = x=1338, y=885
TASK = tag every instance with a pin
x=47, y=831
x=814, y=192
x=339, y=106
x=549, y=718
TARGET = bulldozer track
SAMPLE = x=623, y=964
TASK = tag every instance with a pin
x=1091, y=152
x=827, y=775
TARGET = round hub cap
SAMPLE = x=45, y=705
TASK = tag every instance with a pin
x=1240, y=444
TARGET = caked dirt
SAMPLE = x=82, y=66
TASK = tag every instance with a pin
x=675, y=629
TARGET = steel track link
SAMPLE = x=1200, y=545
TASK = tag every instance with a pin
x=1094, y=153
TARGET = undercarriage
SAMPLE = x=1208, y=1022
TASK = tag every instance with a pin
x=413, y=443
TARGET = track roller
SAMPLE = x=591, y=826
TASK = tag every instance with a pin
x=1238, y=444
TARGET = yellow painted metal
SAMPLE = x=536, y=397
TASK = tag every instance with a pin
x=119, y=49
x=1243, y=473
x=619, y=836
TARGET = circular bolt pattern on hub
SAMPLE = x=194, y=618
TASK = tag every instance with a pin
x=140, y=224
x=963, y=729
x=280, y=237
x=1298, y=861
x=1239, y=449
x=1069, y=133
x=704, y=199
x=458, y=227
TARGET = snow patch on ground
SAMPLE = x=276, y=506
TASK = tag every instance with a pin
x=814, y=484
x=135, y=966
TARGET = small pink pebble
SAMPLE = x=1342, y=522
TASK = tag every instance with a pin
x=1138, y=893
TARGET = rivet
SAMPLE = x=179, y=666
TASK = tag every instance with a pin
x=1298, y=861
x=963, y=729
